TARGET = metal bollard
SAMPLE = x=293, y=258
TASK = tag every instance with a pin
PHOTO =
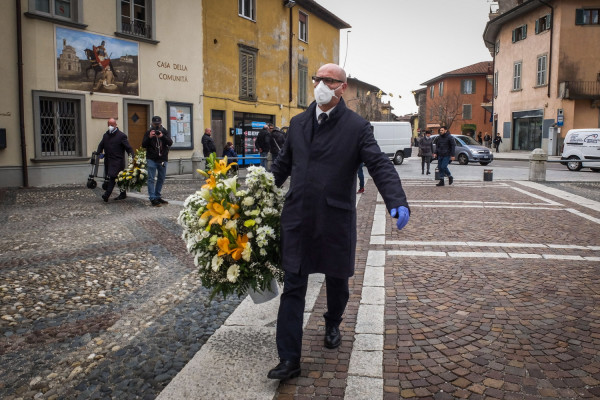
x=197, y=163
x=488, y=175
x=537, y=165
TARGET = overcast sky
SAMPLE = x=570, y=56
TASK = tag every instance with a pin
x=398, y=44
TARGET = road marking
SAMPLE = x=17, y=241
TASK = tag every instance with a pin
x=583, y=201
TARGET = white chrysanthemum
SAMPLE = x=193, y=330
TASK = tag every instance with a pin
x=233, y=273
x=248, y=201
x=262, y=252
x=216, y=263
x=246, y=253
x=231, y=224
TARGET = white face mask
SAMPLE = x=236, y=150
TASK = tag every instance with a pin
x=111, y=129
x=324, y=94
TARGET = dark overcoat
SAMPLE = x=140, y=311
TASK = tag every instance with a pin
x=318, y=222
x=114, y=145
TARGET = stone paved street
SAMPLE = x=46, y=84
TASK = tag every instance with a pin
x=490, y=292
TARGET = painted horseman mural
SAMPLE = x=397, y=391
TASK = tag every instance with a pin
x=101, y=64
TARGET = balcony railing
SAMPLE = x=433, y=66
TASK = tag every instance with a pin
x=574, y=90
x=137, y=28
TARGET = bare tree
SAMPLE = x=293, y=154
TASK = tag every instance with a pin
x=446, y=109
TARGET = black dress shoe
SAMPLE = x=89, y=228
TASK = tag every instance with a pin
x=161, y=201
x=105, y=198
x=450, y=180
x=333, y=338
x=121, y=196
x=285, y=370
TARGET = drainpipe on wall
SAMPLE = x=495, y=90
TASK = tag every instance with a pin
x=494, y=126
x=21, y=107
x=551, y=37
x=290, y=58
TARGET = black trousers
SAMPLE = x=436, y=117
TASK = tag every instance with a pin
x=291, y=311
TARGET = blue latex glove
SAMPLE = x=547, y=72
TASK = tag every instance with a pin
x=402, y=214
x=101, y=156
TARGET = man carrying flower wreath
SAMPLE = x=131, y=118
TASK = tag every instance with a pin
x=114, y=144
x=318, y=221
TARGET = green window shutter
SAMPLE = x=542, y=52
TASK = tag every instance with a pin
x=549, y=21
x=579, y=16
x=514, y=34
x=473, y=91
x=537, y=26
x=524, y=31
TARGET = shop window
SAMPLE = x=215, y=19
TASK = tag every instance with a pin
x=517, y=75
x=247, y=9
x=467, y=111
x=247, y=73
x=58, y=125
x=302, y=26
x=542, y=68
x=136, y=19
x=302, y=85
x=67, y=12
x=543, y=24
x=467, y=86
x=587, y=16
x=519, y=33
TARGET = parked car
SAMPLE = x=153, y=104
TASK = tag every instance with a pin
x=469, y=150
x=582, y=144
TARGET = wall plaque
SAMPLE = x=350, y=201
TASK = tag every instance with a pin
x=104, y=109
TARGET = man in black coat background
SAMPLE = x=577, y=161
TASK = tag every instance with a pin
x=157, y=142
x=318, y=222
x=114, y=144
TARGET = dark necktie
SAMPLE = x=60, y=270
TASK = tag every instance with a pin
x=322, y=118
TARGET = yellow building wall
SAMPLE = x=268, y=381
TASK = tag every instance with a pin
x=179, y=34
x=224, y=30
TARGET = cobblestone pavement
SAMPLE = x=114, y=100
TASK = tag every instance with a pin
x=491, y=291
x=97, y=300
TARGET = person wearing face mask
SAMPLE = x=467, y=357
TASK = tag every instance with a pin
x=112, y=148
x=318, y=221
x=157, y=141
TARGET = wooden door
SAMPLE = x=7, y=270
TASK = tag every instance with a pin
x=138, y=123
x=217, y=124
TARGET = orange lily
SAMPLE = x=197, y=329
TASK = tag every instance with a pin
x=217, y=212
x=221, y=166
x=223, y=245
x=211, y=183
x=241, y=243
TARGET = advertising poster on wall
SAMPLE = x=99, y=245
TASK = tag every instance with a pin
x=180, y=125
x=90, y=62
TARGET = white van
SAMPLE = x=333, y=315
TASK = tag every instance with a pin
x=394, y=138
x=582, y=144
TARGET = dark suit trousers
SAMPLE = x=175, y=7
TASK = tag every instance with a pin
x=291, y=311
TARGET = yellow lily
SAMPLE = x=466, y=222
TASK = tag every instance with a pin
x=211, y=183
x=223, y=245
x=217, y=212
x=221, y=166
x=241, y=243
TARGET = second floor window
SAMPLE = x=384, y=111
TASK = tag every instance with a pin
x=587, y=16
x=441, y=89
x=542, y=24
x=467, y=86
x=519, y=33
x=431, y=91
x=302, y=26
x=517, y=75
x=60, y=10
x=542, y=67
x=135, y=18
x=466, y=114
x=247, y=9
x=496, y=84
x=247, y=73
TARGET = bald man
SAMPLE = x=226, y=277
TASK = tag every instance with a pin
x=114, y=144
x=324, y=147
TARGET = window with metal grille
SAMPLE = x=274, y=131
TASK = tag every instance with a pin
x=542, y=66
x=302, y=26
x=59, y=127
x=136, y=18
x=302, y=84
x=247, y=9
x=247, y=74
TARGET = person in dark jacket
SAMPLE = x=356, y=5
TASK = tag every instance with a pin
x=114, y=144
x=157, y=141
x=444, y=150
x=277, y=140
x=318, y=221
x=426, y=150
x=263, y=143
x=497, y=141
x=231, y=155
x=208, y=144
